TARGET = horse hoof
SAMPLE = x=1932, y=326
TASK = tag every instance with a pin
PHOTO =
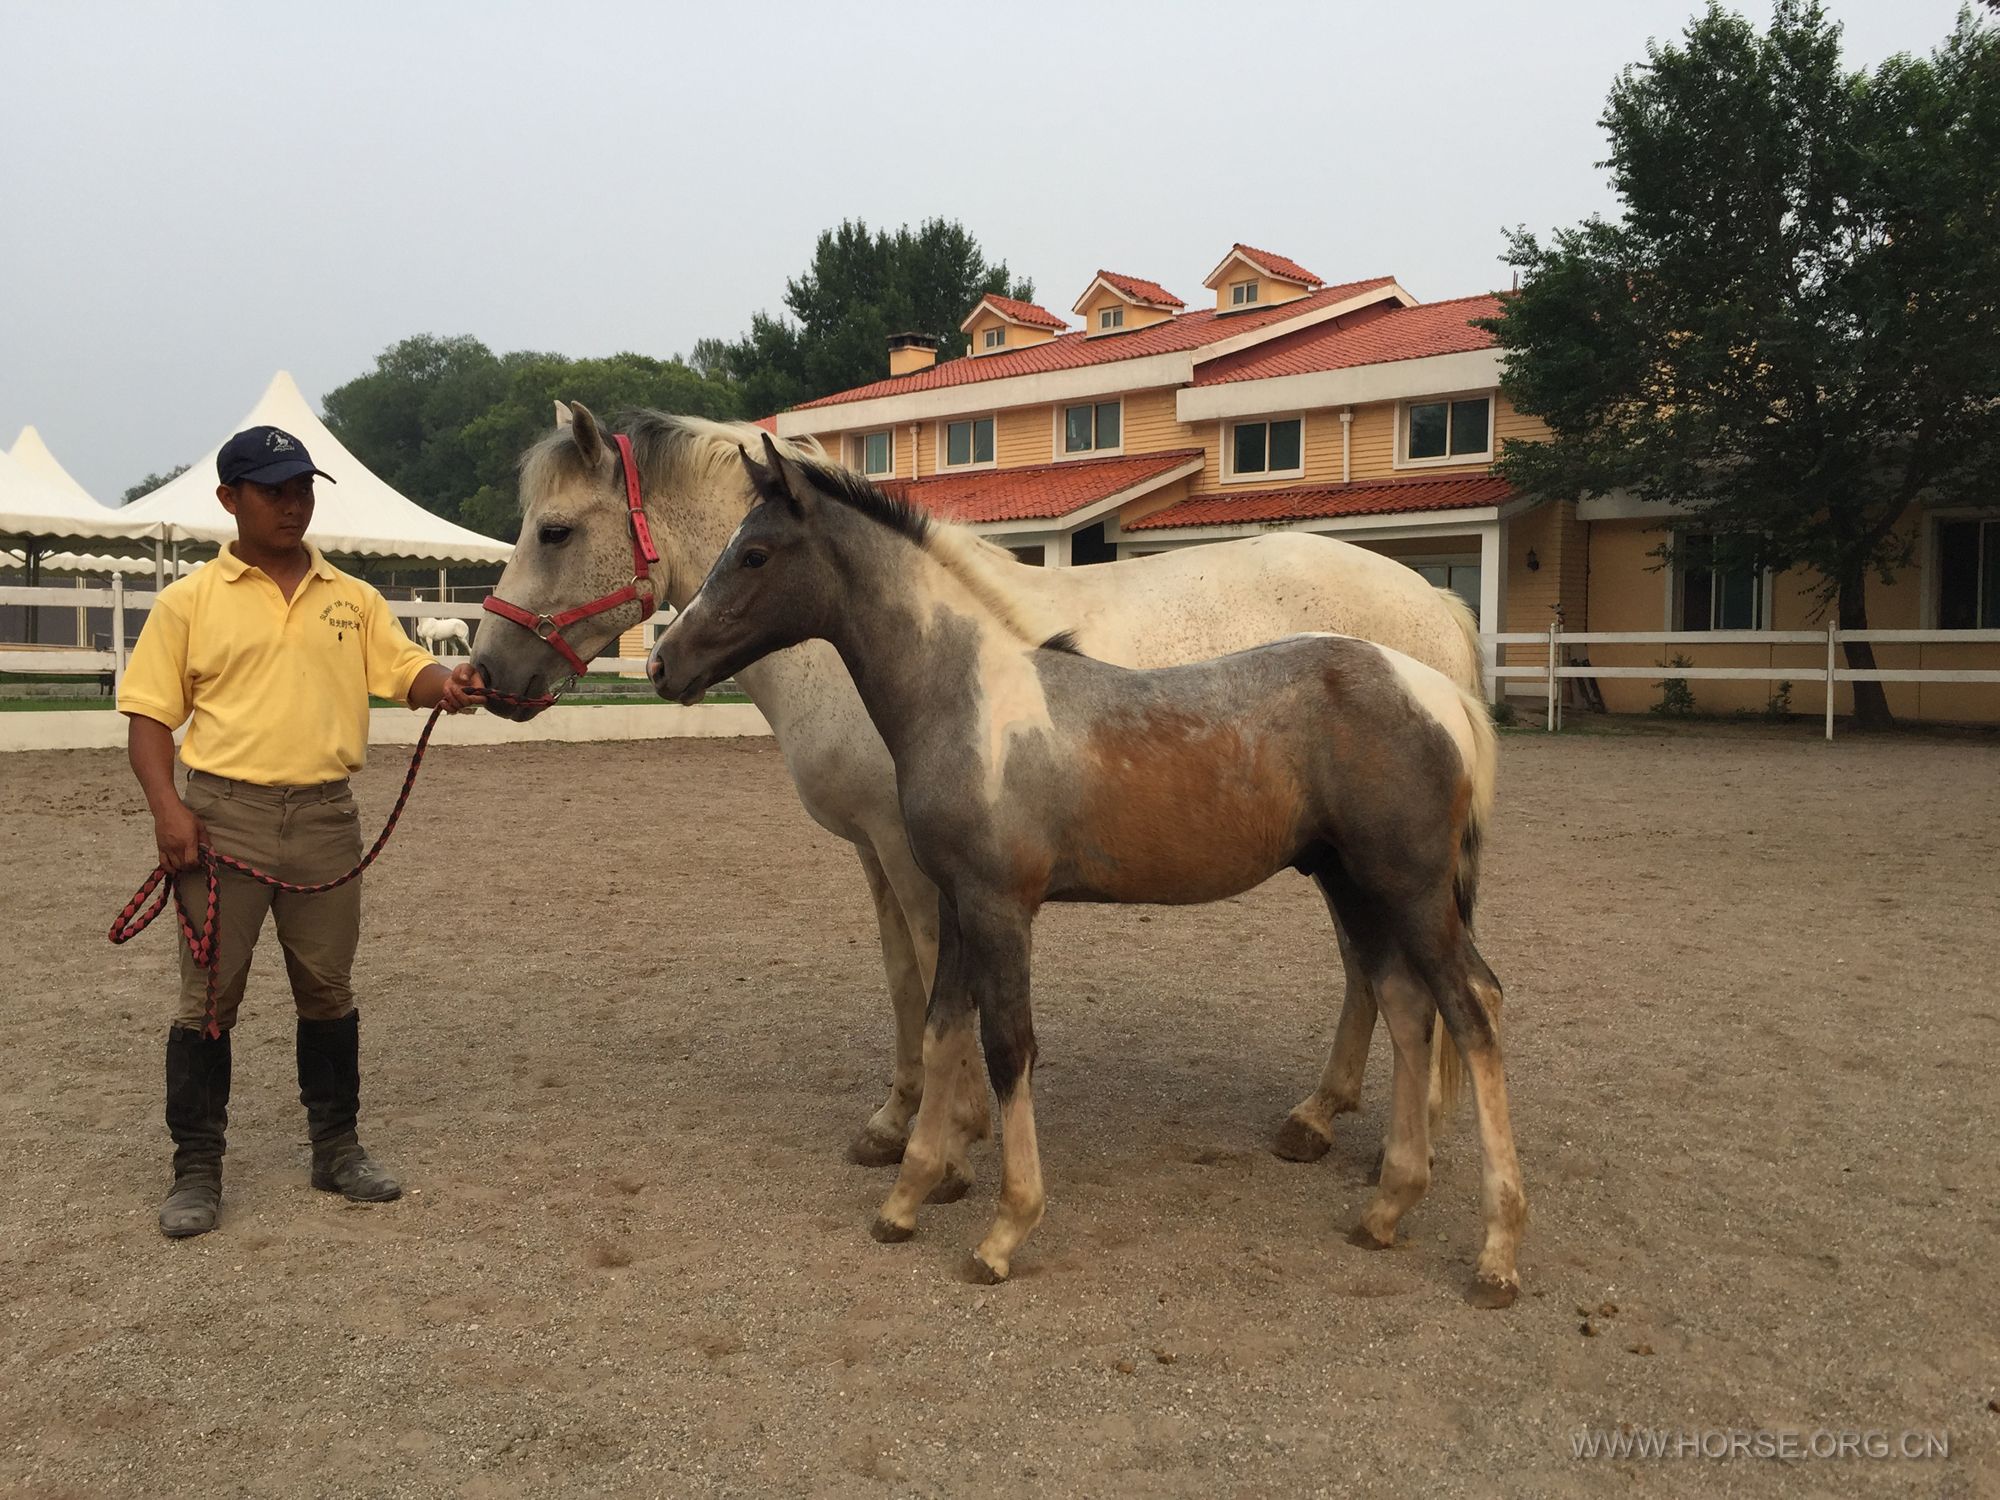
x=889, y=1233
x=1361, y=1235
x=1298, y=1141
x=1492, y=1294
x=954, y=1186
x=875, y=1148
x=979, y=1273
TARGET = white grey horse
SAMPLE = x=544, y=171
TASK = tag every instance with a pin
x=434, y=633
x=1197, y=602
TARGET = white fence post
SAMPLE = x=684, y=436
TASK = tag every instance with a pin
x=1555, y=683
x=1832, y=640
x=117, y=630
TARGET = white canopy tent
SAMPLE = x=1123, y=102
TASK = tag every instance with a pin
x=32, y=454
x=37, y=509
x=357, y=515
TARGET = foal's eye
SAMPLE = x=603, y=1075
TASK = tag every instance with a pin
x=756, y=557
x=553, y=536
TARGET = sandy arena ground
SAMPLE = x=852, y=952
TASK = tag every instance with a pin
x=1753, y=1016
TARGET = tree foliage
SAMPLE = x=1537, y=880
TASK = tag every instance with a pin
x=1793, y=326
x=861, y=287
x=445, y=420
x=150, y=483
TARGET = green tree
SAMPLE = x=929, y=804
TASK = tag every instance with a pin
x=861, y=287
x=1793, y=326
x=150, y=483
x=445, y=420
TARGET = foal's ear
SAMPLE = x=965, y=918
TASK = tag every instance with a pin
x=790, y=478
x=583, y=431
x=563, y=417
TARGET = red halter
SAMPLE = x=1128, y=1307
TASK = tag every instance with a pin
x=640, y=589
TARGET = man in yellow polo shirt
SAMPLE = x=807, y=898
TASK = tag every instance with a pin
x=268, y=655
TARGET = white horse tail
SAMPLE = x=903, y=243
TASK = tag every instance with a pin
x=1447, y=1067
x=1468, y=624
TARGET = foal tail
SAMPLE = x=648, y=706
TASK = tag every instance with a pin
x=1473, y=676
x=1447, y=1067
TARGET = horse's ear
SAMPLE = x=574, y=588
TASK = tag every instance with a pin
x=764, y=481
x=563, y=417
x=583, y=431
x=789, y=477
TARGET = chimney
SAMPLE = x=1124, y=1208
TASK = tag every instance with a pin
x=910, y=352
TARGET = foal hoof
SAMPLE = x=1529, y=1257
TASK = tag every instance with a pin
x=875, y=1147
x=890, y=1233
x=1492, y=1294
x=979, y=1273
x=1363, y=1236
x=954, y=1185
x=1298, y=1141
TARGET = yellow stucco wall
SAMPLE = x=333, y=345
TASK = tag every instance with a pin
x=1629, y=591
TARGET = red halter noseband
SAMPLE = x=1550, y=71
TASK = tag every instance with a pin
x=644, y=554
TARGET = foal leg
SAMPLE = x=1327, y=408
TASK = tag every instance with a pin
x=1469, y=996
x=1307, y=1133
x=1000, y=980
x=1406, y=1154
x=948, y=1053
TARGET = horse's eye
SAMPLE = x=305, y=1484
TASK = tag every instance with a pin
x=553, y=536
x=756, y=557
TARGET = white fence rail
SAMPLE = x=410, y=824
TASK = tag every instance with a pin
x=122, y=602
x=1557, y=669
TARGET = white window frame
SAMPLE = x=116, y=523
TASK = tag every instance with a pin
x=943, y=441
x=1244, y=293
x=1110, y=319
x=860, y=464
x=1400, y=452
x=1445, y=560
x=1673, y=572
x=1929, y=581
x=1059, y=435
x=993, y=337
x=1261, y=476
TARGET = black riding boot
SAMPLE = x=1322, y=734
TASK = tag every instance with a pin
x=330, y=1089
x=197, y=1117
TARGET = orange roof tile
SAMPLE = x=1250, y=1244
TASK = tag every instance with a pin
x=1073, y=350
x=769, y=424
x=1313, y=502
x=1020, y=312
x=1038, y=492
x=1372, y=336
x=1272, y=265
x=1140, y=290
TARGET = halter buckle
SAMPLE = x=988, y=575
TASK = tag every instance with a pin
x=545, y=626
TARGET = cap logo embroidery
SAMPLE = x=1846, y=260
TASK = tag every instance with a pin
x=277, y=442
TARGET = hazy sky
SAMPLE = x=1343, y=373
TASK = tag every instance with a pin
x=193, y=196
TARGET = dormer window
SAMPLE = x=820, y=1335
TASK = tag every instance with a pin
x=1242, y=293
x=994, y=338
x=1111, y=317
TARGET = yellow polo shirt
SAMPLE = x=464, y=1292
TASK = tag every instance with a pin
x=271, y=692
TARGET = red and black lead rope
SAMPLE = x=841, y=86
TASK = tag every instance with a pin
x=202, y=942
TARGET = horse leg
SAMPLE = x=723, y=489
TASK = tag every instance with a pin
x=947, y=1047
x=881, y=1141
x=1469, y=996
x=1307, y=1133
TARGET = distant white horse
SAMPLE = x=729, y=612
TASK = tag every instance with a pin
x=434, y=633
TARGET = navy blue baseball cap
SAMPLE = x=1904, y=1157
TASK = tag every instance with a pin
x=265, y=455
